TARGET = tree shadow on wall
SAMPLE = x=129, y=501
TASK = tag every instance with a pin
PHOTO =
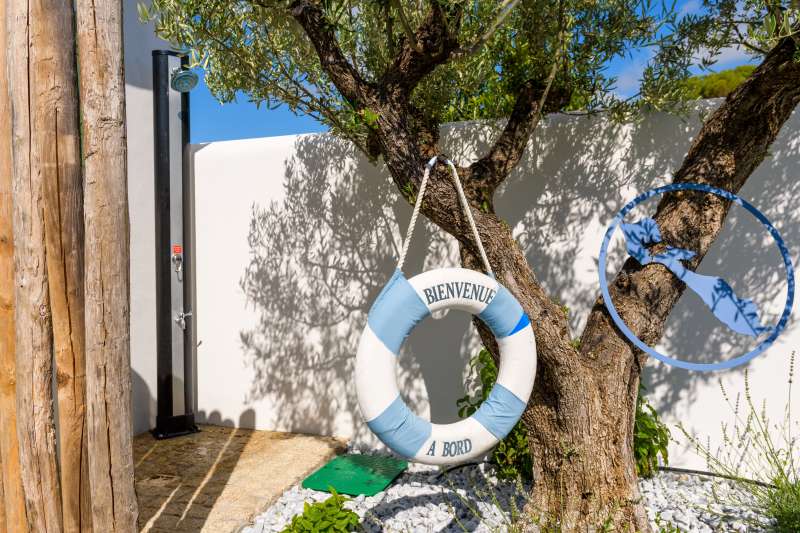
x=320, y=256
x=746, y=256
x=580, y=171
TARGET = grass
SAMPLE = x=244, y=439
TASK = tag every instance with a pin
x=761, y=457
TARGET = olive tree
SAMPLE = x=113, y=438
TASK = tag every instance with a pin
x=386, y=73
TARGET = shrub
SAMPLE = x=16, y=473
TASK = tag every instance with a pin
x=718, y=84
x=327, y=516
x=511, y=455
x=762, y=463
x=650, y=437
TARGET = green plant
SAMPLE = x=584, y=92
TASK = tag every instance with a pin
x=483, y=491
x=717, y=84
x=650, y=437
x=760, y=457
x=666, y=527
x=511, y=455
x=327, y=516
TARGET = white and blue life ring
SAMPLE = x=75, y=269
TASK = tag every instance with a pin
x=400, y=306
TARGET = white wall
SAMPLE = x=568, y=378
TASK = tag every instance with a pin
x=139, y=41
x=296, y=235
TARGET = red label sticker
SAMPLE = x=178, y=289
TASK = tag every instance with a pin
x=177, y=249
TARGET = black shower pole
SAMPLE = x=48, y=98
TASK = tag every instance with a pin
x=169, y=424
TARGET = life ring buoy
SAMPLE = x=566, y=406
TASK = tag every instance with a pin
x=401, y=305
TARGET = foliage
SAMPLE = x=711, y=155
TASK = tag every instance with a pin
x=650, y=437
x=511, y=455
x=761, y=457
x=256, y=48
x=327, y=516
x=718, y=84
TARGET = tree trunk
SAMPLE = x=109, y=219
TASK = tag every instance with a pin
x=108, y=380
x=36, y=78
x=13, y=499
x=580, y=416
x=589, y=410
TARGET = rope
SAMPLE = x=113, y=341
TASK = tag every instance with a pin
x=468, y=211
x=410, y=231
x=462, y=200
x=714, y=474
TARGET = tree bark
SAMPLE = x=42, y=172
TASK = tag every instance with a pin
x=3, y=527
x=36, y=79
x=13, y=499
x=63, y=214
x=580, y=416
x=108, y=380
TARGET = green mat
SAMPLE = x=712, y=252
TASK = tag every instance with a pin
x=356, y=474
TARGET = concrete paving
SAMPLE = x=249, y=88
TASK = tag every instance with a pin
x=219, y=479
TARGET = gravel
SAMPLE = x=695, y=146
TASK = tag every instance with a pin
x=688, y=502
x=471, y=498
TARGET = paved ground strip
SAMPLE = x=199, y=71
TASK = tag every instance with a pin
x=219, y=479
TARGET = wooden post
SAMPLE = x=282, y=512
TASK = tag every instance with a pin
x=13, y=499
x=3, y=526
x=63, y=223
x=47, y=197
x=108, y=379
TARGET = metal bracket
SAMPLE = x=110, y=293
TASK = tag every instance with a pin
x=177, y=260
x=180, y=319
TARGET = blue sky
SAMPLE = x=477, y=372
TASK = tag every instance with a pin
x=212, y=121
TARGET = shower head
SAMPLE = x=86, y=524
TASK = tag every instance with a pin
x=183, y=80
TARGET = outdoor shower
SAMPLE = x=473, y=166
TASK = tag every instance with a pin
x=175, y=332
x=183, y=80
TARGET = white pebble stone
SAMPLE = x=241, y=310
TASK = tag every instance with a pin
x=424, y=499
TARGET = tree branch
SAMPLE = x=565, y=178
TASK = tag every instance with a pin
x=387, y=13
x=721, y=156
x=433, y=43
x=744, y=42
x=314, y=107
x=412, y=39
x=505, y=9
x=493, y=168
x=320, y=32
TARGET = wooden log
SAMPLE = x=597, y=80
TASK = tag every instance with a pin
x=13, y=499
x=63, y=222
x=46, y=171
x=108, y=380
x=3, y=527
